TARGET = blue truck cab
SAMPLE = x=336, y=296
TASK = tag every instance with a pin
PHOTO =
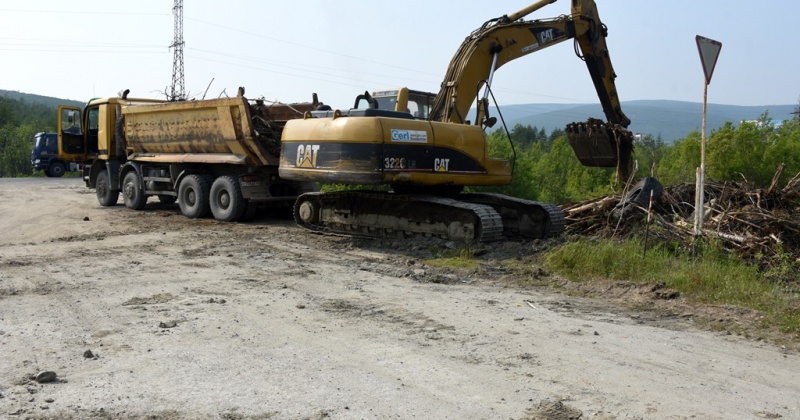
x=44, y=156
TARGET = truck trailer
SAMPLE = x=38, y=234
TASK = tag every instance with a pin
x=214, y=157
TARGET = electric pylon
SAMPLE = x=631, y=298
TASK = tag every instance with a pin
x=177, y=92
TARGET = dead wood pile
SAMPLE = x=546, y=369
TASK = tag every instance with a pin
x=760, y=225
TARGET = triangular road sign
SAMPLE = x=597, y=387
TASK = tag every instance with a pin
x=709, y=52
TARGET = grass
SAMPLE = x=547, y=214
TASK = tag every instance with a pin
x=459, y=258
x=712, y=277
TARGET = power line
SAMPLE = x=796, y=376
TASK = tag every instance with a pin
x=294, y=74
x=46, y=48
x=290, y=65
x=35, y=42
x=81, y=12
x=392, y=65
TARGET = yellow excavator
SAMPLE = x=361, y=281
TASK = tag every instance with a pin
x=429, y=153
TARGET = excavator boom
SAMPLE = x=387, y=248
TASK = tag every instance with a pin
x=508, y=38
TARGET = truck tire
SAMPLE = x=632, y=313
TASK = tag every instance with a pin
x=638, y=198
x=56, y=169
x=227, y=203
x=640, y=193
x=132, y=193
x=102, y=188
x=193, y=196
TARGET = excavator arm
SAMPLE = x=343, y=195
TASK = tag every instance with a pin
x=509, y=37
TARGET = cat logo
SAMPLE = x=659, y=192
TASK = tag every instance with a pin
x=441, y=165
x=307, y=155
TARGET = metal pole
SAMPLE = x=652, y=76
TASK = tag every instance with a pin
x=701, y=176
x=647, y=226
x=491, y=76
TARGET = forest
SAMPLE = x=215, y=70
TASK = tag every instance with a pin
x=547, y=170
x=19, y=121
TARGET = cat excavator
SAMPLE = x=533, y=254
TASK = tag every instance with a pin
x=429, y=157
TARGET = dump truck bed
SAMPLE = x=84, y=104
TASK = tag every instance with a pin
x=216, y=130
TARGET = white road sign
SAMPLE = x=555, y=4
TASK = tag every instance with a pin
x=709, y=52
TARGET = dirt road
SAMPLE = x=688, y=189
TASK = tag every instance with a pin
x=149, y=314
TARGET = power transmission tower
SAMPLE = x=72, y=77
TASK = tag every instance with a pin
x=177, y=92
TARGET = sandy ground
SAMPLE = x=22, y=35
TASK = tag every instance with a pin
x=200, y=319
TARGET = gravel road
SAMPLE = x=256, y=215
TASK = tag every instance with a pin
x=151, y=315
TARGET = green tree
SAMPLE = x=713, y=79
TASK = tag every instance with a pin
x=679, y=162
x=521, y=185
x=785, y=149
x=561, y=178
x=523, y=135
x=733, y=153
x=648, y=153
x=15, y=150
x=19, y=121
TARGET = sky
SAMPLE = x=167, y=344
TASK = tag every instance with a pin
x=287, y=50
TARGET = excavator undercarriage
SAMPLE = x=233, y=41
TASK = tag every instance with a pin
x=469, y=217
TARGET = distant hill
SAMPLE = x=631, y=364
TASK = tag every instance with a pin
x=672, y=120
x=48, y=101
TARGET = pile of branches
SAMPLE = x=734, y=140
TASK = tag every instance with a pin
x=762, y=226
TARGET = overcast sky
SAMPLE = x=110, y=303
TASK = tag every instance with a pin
x=285, y=50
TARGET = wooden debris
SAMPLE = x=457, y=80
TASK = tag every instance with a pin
x=760, y=225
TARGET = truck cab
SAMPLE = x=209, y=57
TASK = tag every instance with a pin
x=45, y=157
x=88, y=136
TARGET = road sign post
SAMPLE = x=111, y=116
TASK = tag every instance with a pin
x=709, y=52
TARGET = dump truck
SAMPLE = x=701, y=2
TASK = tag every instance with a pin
x=214, y=157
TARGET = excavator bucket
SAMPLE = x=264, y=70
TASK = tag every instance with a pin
x=601, y=144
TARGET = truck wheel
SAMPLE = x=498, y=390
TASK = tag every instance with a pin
x=193, y=196
x=227, y=203
x=102, y=188
x=133, y=195
x=57, y=169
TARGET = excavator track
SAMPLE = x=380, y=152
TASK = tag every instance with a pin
x=471, y=217
x=522, y=219
x=379, y=214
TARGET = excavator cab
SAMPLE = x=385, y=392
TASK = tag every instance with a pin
x=415, y=102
